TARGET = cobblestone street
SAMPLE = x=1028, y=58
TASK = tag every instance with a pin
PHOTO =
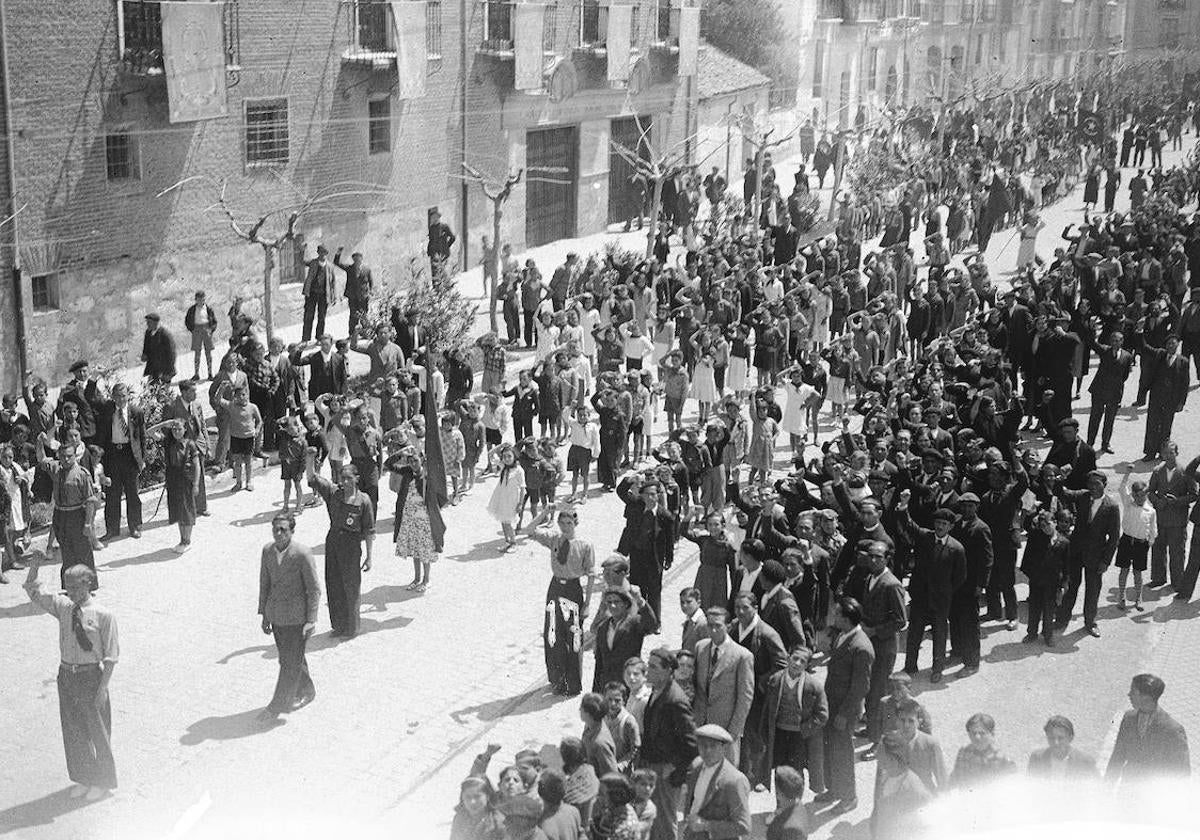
x=402, y=710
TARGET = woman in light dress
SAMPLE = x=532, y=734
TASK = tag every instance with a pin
x=508, y=494
x=1029, y=234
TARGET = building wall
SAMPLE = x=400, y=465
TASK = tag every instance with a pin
x=720, y=143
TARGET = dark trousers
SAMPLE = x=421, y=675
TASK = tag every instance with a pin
x=314, y=305
x=512, y=324
x=529, y=324
x=839, y=758
x=920, y=616
x=358, y=314
x=1002, y=598
x=1090, y=577
x=86, y=729
x=522, y=426
x=800, y=753
x=343, y=580
x=881, y=669
x=1160, y=418
x=1102, y=408
x=201, y=491
x=964, y=626
x=753, y=758
x=1042, y=602
x=606, y=464
x=74, y=546
x=294, y=682
x=1191, y=572
x=1170, y=543
x=645, y=573
x=122, y=469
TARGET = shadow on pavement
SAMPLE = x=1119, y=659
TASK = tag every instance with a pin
x=159, y=556
x=379, y=597
x=39, y=811
x=534, y=700
x=224, y=728
x=483, y=551
x=263, y=518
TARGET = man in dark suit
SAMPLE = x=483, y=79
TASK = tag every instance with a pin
x=1018, y=322
x=866, y=524
x=289, y=595
x=976, y=539
x=794, y=720
x=847, y=680
x=724, y=681
x=884, y=616
x=695, y=623
x=1069, y=451
x=779, y=608
x=81, y=391
x=1093, y=545
x=1000, y=507
x=1108, y=386
x=328, y=369
x=1053, y=357
x=939, y=570
x=441, y=240
x=158, y=351
x=1168, y=392
x=668, y=739
x=750, y=563
x=1172, y=492
x=1150, y=743
x=187, y=407
x=648, y=539
x=1060, y=760
x=790, y=820
x=718, y=798
x=620, y=634
x=754, y=634
x=121, y=433
x=320, y=289
x=359, y=285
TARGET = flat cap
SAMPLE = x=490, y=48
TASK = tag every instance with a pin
x=712, y=732
x=616, y=562
x=968, y=497
x=78, y=366
x=944, y=514
x=152, y=316
x=521, y=808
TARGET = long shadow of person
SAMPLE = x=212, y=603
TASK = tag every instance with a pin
x=37, y=812
x=225, y=728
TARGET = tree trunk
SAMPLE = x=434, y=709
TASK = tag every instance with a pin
x=655, y=202
x=269, y=290
x=756, y=200
x=837, y=179
x=497, y=212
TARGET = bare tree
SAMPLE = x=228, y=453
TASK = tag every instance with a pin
x=498, y=195
x=759, y=138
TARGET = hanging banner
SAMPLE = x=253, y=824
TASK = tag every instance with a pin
x=194, y=60
x=527, y=28
x=408, y=20
x=689, y=39
x=619, y=43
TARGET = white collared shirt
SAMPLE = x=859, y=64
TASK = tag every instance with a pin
x=743, y=632
x=1139, y=522
x=704, y=781
x=748, y=579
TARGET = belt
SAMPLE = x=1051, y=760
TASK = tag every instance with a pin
x=1137, y=540
x=75, y=669
x=119, y=445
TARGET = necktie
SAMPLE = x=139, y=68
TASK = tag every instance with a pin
x=563, y=553
x=81, y=635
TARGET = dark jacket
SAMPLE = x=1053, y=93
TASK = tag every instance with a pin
x=726, y=805
x=669, y=733
x=883, y=608
x=627, y=643
x=1094, y=540
x=976, y=539
x=938, y=571
x=189, y=318
x=782, y=613
x=848, y=675
x=1163, y=750
x=1045, y=562
x=105, y=412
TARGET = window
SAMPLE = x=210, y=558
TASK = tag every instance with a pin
x=291, y=261
x=379, y=126
x=120, y=160
x=979, y=49
x=818, y=68
x=592, y=23
x=45, y=292
x=267, y=132
x=433, y=34
x=374, y=25
x=873, y=68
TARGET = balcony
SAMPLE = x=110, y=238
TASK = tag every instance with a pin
x=593, y=27
x=499, y=37
x=829, y=10
x=371, y=35
x=664, y=32
x=140, y=36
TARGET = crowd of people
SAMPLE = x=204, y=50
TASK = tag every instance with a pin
x=946, y=457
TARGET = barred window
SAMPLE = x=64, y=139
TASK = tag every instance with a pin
x=267, y=132
x=379, y=126
x=120, y=158
x=433, y=34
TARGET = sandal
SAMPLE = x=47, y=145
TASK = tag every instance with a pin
x=412, y=587
x=421, y=587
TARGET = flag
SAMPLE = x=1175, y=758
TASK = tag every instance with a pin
x=1090, y=126
x=409, y=24
x=435, y=460
x=194, y=61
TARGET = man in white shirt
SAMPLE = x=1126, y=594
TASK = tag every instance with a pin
x=1139, y=528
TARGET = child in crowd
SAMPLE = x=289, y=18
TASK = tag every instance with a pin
x=639, y=689
x=585, y=448
x=454, y=451
x=293, y=450
x=626, y=735
x=245, y=426
x=472, y=432
x=645, y=781
x=99, y=482
x=675, y=385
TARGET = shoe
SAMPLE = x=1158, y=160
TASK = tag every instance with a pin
x=935, y=677
x=910, y=671
x=94, y=794
x=1140, y=404
x=1140, y=608
x=1011, y=625
x=203, y=513
x=1029, y=638
x=181, y=548
x=843, y=807
x=136, y=533
x=969, y=670
x=1106, y=449
x=1049, y=641
x=1121, y=605
x=1154, y=584
x=827, y=796
x=301, y=702
x=76, y=791
x=249, y=488
x=3, y=578
x=1183, y=596
x=110, y=535
x=867, y=755
x=1094, y=631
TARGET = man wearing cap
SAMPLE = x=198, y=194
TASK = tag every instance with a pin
x=619, y=635
x=1093, y=545
x=939, y=570
x=121, y=433
x=668, y=739
x=201, y=322
x=1069, y=451
x=884, y=617
x=320, y=287
x=1018, y=322
x=724, y=680
x=187, y=408
x=521, y=817
x=648, y=538
x=718, y=797
x=976, y=539
x=359, y=285
x=158, y=351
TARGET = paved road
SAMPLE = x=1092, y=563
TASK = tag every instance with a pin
x=401, y=710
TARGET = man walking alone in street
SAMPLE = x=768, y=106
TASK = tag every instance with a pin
x=288, y=598
x=359, y=285
x=320, y=287
x=88, y=651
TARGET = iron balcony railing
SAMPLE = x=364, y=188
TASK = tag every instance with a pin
x=499, y=37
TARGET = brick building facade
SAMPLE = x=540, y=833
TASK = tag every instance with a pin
x=320, y=111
